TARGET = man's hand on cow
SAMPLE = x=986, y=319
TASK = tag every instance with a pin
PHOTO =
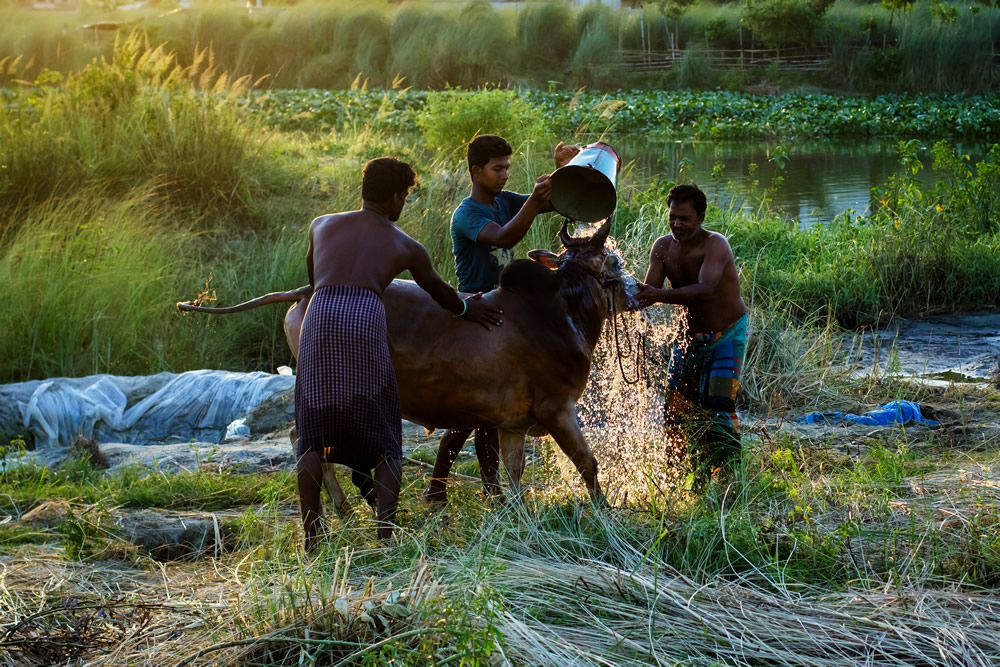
x=646, y=295
x=482, y=313
x=563, y=154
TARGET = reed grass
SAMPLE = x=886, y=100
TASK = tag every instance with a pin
x=139, y=120
x=436, y=45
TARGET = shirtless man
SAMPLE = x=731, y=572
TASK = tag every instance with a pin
x=347, y=407
x=707, y=360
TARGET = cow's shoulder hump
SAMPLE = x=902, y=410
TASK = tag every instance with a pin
x=528, y=276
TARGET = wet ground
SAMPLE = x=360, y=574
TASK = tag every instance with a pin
x=941, y=349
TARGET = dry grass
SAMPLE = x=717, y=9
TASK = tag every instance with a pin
x=550, y=604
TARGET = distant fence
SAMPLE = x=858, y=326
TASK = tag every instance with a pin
x=783, y=60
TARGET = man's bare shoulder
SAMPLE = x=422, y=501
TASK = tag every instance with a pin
x=332, y=218
x=718, y=240
x=662, y=244
x=409, y=244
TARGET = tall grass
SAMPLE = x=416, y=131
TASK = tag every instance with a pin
x=85, y=285
x=138, y=120
x=434, y=45
x=958, y=56
x=89, y=284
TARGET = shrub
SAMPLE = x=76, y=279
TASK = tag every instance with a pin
x=546, y=35
x=453, y=118
x=778, y=23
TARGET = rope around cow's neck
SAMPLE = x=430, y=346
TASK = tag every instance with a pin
x=640, y=349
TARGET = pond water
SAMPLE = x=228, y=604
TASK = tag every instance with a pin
x=821, y=179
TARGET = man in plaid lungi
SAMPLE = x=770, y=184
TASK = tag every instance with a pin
x=347, y=407
x=706, y=363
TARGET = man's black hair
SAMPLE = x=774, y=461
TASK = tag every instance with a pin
x=688, y=193
x=383, y=177
x=485, y=147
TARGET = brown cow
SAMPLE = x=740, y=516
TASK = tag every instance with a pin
x=528, y=373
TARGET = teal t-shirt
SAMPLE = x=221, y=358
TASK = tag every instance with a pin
x=479, y=264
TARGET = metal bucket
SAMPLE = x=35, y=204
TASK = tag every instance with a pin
x=584, y=189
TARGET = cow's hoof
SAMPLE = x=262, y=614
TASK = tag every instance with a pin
x=344, y=510
x=434, y=498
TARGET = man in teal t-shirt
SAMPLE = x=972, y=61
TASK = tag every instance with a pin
x=479, y=264
x=484, y=230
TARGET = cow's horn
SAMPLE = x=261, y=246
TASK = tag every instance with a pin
x=567, y=240
x=601, y=235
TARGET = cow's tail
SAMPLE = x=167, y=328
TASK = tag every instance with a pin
x=299, y=294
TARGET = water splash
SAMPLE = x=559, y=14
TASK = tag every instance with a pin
x=621, y=411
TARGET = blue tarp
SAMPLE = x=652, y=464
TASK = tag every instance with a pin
x=196, y=405
x=895, y=412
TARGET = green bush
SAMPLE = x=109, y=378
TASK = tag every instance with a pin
x=546, y=36
x=419, y=54
x=595, y=61
x=452, y=118
x=778, y=23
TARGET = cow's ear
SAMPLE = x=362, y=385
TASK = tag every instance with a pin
x=546, y=258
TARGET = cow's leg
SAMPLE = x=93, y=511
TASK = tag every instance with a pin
x=451, y=444
x=330, y=483
x=512, y=450
x=488, y=454
x=563, y=426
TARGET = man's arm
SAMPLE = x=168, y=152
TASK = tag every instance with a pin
x=717, y=255
x=309, y=260
x=657, y=271
x=508, y=235
x=472, y=309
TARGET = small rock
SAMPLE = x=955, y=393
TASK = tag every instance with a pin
x=342, y=607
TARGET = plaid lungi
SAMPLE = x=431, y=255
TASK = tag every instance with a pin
x=705, y=371
x=346, y=395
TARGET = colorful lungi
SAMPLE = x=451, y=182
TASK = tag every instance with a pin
x=702, y=381
x=346, y=395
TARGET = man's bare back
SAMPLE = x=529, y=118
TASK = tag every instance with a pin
x=360, y=248
x=702, y=272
